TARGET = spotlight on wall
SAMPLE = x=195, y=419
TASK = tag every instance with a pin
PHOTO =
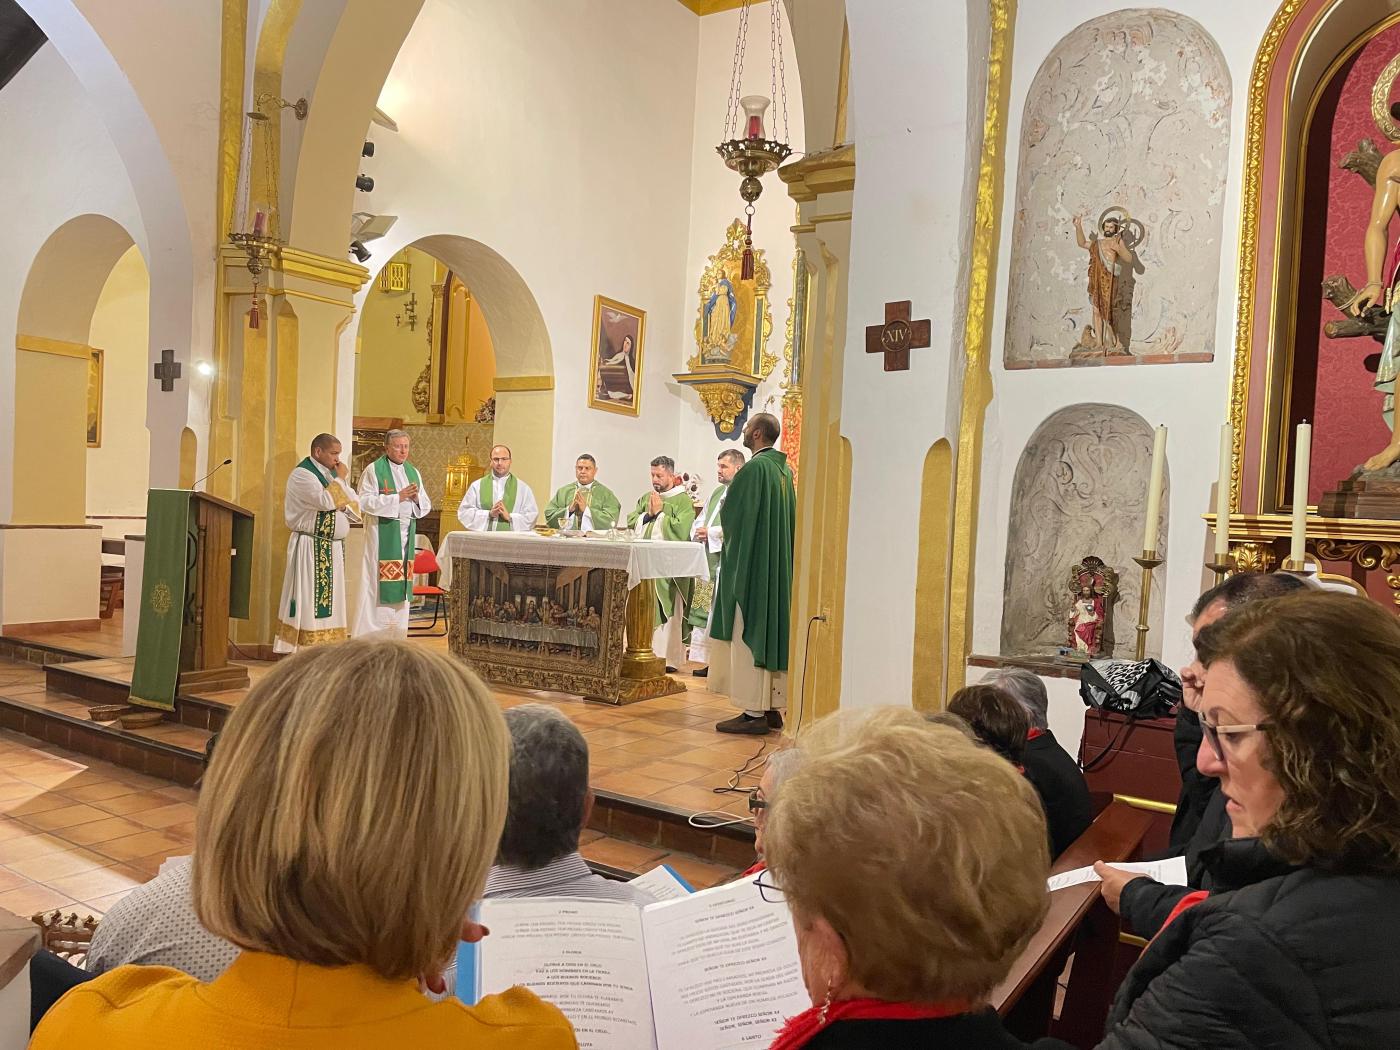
x=204, y=368
x=359, y=251
x=364, y=184
x=367, y=150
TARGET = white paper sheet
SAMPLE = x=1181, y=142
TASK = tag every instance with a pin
x=1169, y=872
x=663, y=884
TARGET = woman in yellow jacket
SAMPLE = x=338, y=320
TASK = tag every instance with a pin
x=346, y=824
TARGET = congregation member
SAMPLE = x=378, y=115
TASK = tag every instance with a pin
x=708, y=531
x=748, y=633
x=317, y=508
x=940, y=884
x=1298, y=943
x=392, y=499
x=550, y=802
x=1055, y=775
x=499, y=502
x=996, y=719
x=666, y=513
x=585, y=504
x=341, y=866
x=780, y=765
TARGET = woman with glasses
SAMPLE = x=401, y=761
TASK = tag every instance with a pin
x=1298, y=944
x=914, y=862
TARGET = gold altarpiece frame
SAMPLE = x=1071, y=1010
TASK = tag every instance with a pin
x=732, y=326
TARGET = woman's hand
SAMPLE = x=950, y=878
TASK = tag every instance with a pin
x=1113, y=881
x=435, y=982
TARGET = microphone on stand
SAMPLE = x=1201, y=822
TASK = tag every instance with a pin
x=206, y=477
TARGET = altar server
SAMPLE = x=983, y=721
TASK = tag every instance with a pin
x=392, y=499
x=499, y=502
x=586, y=503
x=666, y=513
x=752, y=607
x=708, y=530
x=317, y=507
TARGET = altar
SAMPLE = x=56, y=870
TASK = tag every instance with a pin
x=566, y=613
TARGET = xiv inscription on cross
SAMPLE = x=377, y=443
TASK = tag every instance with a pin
x=897, y=336
x=168, y=370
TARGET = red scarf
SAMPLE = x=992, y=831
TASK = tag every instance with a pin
x=1034, y=733
x=800, y=1029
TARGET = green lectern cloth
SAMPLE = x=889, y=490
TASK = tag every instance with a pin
x=164, y=583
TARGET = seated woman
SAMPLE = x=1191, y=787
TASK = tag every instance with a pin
x=346, y=824
x=996, y=718
x=940, y=886
x=1298, y=945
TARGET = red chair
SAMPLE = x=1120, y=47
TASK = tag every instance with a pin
x=425, y=563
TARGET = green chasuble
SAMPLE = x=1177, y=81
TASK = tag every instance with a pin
x=395, y=555
x=603, y=508
x=755, y=571
x=673, y=523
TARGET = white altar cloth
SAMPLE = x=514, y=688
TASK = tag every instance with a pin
x=643, y=559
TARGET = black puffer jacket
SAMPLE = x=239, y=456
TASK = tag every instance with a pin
x=1295, y=959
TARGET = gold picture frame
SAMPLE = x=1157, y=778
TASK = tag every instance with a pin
x=614, y=370
x=94, y=398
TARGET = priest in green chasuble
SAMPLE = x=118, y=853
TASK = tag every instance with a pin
x=666, y=513
x=586, y=504
x=753, y=599
x=318, y=507
x=499, y=502
x=707, y=530
x=392, y=499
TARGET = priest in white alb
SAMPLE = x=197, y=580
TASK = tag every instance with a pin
x=499, y=502
x=392, y=499
x=706, y=529
x=318, y=508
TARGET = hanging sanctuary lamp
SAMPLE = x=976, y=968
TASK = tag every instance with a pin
x=255, y=227
x=747, y=148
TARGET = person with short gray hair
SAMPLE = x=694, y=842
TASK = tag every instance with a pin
x=392, y=499
x=549, y=805
x=1051, y=769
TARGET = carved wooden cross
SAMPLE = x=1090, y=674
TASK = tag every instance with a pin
x=168, y=370
x=896, y=336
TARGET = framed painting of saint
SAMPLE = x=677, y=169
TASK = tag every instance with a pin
x=94, y=399
x=615, y=371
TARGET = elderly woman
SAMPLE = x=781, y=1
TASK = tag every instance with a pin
x=780, y=765
x=346, y=825
x=1298, y=945
x=996, y=718
x=940, y=885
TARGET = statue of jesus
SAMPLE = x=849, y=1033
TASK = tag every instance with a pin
x=1107, y=257
x=1383, y=208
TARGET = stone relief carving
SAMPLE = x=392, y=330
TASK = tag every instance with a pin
x=1081, y=484
x=1131, y=112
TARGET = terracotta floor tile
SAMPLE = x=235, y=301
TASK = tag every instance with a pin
x=10, y=880
x=628, y=856
x=67, y=817
x=27, y=900
x=610, y=737
x=699, y=873
x=675, y=772
x=99, y=882
x=10, y=828
x=40, y=803
x=629, y=784
x=137, y=802
x=183, y=832
x=52, y=866
x=164, y=816
x=589, y=835
x=151, y=863
x=133, y=847
x=694, y=797
x=653, y=747
x=101, y=789
x=179, y=794
x=102, y=831
x=35, y=845
x=140, y=780
x=19, y=791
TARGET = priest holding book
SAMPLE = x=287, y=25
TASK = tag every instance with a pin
x=392, y=498
x=585, y=505
x=317, y=507
x=753, y=598
x=666, y=513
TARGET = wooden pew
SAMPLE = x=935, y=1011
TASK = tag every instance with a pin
x=1078, y=923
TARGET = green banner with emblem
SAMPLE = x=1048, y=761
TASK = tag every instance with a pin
x=165, y=584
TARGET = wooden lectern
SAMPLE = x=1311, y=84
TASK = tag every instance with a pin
x=197, y=576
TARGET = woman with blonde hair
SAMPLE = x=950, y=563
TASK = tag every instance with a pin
x=346, y=824
x=940, y=885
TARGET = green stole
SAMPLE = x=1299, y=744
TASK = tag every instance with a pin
x=394, y=560
x=322, y=550
x=507, y=499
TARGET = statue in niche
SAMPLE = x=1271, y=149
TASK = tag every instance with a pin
x=717, y=323
x=1113, y=265
x=1094, y=587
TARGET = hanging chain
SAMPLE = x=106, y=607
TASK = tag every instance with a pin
x=736, y=75
x=773, y=57
x=782, y=70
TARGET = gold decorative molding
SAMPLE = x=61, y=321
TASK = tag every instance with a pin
x=826, y=171
x=297, y=293
x=710, y=7
x=522, y=383
x=341, y=272
x=977, y=334
x=843, y=85
x=1254, y=557
x=39, y=344
x=724, y=402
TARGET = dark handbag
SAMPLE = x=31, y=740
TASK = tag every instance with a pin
x=1133, y=688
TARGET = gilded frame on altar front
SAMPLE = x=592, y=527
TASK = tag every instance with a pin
x=94, y=398
x=615, y=365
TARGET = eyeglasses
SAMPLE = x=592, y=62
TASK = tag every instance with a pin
x=756, y=801
x=1213, y=735
x=769, y=891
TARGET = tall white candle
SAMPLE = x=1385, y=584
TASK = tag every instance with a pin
x=1302, y=461
x=1154, y=489
x=1222, y=494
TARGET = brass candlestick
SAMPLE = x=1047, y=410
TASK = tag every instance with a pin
x=1220, y=566
x=1148, y=561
